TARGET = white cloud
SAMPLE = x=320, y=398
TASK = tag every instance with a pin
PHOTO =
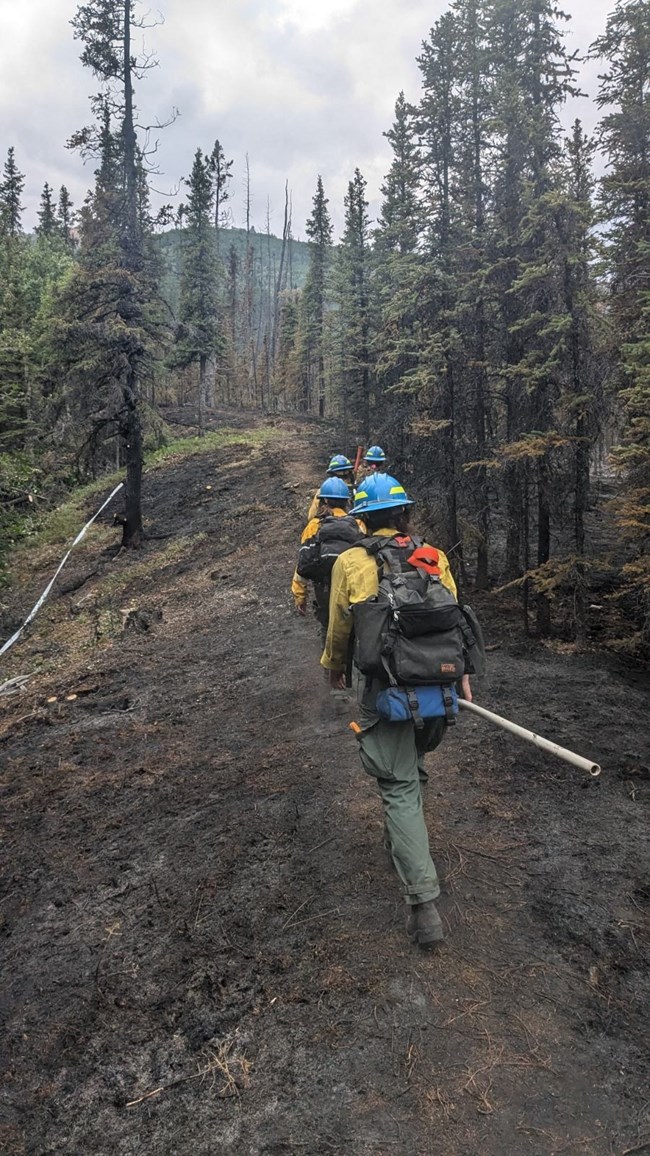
x=311, y=16
x=303, y=86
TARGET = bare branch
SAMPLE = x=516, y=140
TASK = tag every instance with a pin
x=147, y=20
x=159, y=124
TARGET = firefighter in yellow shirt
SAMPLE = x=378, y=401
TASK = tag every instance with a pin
x=332, y=499
x=391, y=752
x=339, y=467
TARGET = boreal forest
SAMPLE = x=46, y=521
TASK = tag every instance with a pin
x=219, y=934
x=490, y=327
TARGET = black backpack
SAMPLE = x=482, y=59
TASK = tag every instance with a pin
x=318, y=554
x=413, y=632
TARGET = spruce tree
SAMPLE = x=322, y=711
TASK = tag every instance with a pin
x=65, y=217
x=11, y=190
x=220, y=170
x=30, y=273
x=314, y=303
x=353, y=294
x=438, y=380
x=117, y=283
x=533, y=76
x=198, y=337
x=13, y=251
x=474, y=302
x=14, y=312
x=400, y=217
x=233, y=319
x=47, y=222
x=397, y=269
x=624, y=134
x=584, y=362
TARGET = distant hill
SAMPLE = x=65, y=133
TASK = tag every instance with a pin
x=266, y=251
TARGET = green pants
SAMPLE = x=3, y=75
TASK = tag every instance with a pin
x=393, y=753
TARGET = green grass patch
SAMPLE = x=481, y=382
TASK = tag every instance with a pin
x=38, y=540
x=42, y=538
x=60, y=526
x=213, y=440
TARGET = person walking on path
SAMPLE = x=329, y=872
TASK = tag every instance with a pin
x=333, y=501
x=374, y=460
x=339, y=467
x=391, y=752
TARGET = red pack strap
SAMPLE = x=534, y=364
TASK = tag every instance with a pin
x=426, y=558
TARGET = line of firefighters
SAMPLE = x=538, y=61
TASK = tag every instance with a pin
x=391, y=751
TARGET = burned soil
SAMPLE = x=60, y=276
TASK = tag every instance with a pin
x=203, y=946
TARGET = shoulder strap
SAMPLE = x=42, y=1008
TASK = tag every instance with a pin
x=381, y=548
x=474, y=641
x=372, y=545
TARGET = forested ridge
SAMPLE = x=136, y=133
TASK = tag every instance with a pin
x=490, y=328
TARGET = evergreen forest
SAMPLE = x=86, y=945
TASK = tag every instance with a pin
x=491, y=329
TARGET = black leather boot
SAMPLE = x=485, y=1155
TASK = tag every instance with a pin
x=424, y=925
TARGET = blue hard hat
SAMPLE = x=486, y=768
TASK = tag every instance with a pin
x=380, y=492
x=374, y=454
x=339, y=464
x=334, y=488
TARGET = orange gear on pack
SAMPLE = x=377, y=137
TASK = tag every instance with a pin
x=426, y=558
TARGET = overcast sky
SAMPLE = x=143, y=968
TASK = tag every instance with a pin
x=302, y=86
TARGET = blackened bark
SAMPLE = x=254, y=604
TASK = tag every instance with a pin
x=132, y=434
x=453, y=538
x=132, y=430
x=543, y=541
x=279, y=284
x=130, y=169
x=203, y=361
x=321, y=381
x=515, y=518
x=524, y=537
x=581, y=505
x=482, y=495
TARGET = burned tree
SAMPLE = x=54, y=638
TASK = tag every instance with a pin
x=114, y=289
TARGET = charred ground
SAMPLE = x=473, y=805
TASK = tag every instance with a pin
x=202, y=940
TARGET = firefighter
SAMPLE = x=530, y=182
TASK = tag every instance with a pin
x=332, y=499
x=375, y=460
x=339, y=467
x=391, y=752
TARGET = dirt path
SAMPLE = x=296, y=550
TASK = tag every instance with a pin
x=202, y=941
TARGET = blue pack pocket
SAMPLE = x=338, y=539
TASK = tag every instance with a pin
x=393, y=703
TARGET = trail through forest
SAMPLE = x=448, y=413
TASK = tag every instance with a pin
x=203, y=947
